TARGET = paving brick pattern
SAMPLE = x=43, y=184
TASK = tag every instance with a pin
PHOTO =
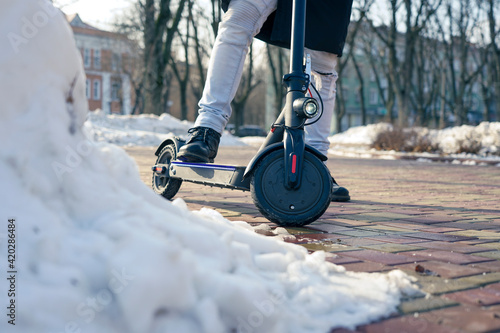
x=443, y=217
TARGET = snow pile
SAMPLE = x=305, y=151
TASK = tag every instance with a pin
x=151, y=130
x=485, y=138
x=98, y=251
x=360, y=135
x=141, y=130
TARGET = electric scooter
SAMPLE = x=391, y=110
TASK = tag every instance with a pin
x=289, y=183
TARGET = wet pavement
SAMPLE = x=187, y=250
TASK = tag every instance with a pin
x=435, y=221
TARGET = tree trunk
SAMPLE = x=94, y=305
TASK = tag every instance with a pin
x=166, y=94
x=184, y=105
x=339, y=107
x=486, y=105
x=497, y=99
x=184, y=78
x=239, y=115
x=416, y=15
x=361, y=90
x=495, y=66
x=377, y=67
x=394, y=67
x=391, y=101
x=156, y=106
x=275, y=57
x=246, y=88
x=216, y=16
x=442, y=109
x=158, y=37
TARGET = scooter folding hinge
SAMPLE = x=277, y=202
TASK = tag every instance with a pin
x=307, y=69
x=296, y=81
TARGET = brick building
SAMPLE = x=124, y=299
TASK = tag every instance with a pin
x=105, y=56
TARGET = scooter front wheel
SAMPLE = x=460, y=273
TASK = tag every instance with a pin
x=162, y=184
x=291, y=208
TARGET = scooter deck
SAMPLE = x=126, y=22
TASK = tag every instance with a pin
x=226, y=176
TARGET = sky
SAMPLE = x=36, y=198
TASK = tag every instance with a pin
x=98, y=13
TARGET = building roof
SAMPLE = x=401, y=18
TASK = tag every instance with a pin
x=75, y=21
x=80, y=27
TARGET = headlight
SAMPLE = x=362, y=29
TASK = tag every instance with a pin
x=306, y=107
x=311, y=108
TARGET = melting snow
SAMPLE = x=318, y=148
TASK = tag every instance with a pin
x=98, y=251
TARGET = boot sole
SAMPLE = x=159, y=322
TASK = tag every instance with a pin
x=341, y=198
x=193, y=158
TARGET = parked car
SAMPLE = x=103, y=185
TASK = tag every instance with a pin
x=247, y=130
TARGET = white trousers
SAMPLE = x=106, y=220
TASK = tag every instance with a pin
x=239, y=25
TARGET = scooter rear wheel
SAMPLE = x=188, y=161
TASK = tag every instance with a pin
x=291, y=208
x=162, y=184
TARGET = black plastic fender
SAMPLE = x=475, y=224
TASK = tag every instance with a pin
x=178, y=142
x=279, y=145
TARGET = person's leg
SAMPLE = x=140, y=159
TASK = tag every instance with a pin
x=239, y=25
x=324, y=78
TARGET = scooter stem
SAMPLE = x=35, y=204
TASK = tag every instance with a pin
x=289, y=126
x=296, y=82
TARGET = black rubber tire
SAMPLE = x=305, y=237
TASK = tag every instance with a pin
x=166, y=186
x=291, y=208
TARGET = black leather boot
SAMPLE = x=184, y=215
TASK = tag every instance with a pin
x=201, y=147
x=339, y=193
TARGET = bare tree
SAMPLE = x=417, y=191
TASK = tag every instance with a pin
x=134, y=71
x=161, y=21
x=340, y=100
x=183, y=75
x=247, y=85
x=203, y=43
x=277, y=59
x=425, y=90
x=458, y=52
x=361, y=88
x=377, y=57
x=494, y=66
x=413, y=16
x=216, y=15
x=442, y=104
x=486, y=79
x=487, y=82
x=361, y=9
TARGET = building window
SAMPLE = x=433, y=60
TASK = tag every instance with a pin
x=115, y=91
x=97, y=58
x=115, y=62
x=97, y=90
x=475, y=104
x=345, y=93
x=87, y=88
x=475, y=88
x=86, y=57
x=373, y=78
x=373, y=96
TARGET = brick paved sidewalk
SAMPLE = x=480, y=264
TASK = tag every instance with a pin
x=440, y=219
